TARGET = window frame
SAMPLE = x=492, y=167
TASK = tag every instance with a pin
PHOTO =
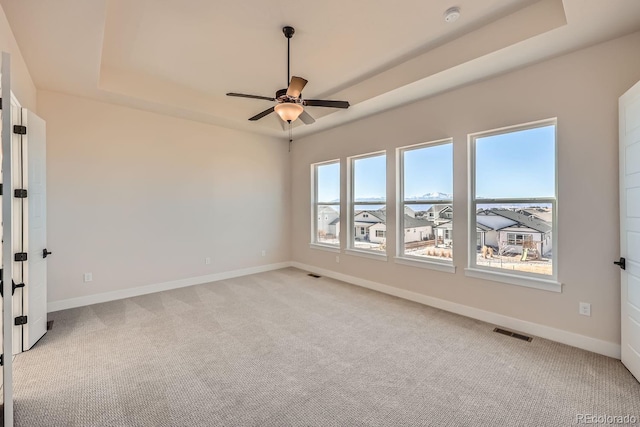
x=351, y=203
x=521, y=278
x=401, y=258
x=314, y=243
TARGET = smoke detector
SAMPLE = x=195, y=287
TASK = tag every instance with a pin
x=452, y=14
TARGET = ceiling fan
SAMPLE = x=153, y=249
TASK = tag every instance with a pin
x=289, y=102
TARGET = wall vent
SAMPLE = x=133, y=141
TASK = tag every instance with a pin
x=512, y=334
x=313, y=275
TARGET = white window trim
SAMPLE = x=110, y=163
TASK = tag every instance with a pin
x=401, y=258
x=365, y=253
x=351, y=248
x=427, y=263
x=325, y=247
x=521, y=278
x=314, y=206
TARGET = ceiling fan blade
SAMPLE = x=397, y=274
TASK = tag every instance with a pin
x=296, y=86
x=326, y=103
x=243, y=95
x=306, y=118
x=261, y=115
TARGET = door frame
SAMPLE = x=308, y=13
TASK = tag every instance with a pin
x=7, y=244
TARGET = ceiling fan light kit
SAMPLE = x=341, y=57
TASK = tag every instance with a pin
x=289, y=111
x=289, y=102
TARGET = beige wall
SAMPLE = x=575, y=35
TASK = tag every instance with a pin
x=21, y=83
x=580, y=89
x=138, y=198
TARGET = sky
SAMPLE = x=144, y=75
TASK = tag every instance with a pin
x=370, y=177
x=428, y=170
x=518, y=164
x=514, y=165
x=329, y=182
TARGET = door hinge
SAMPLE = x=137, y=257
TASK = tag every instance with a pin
x=20, y=256
x=0, y=103
x=622, y=263
x=1, y=359
x=19, y=130
x=20, y=193
x=0, y=189
x=20, y=320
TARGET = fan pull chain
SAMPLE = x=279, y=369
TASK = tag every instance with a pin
x=290, y=135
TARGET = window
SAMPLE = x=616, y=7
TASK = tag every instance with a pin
x=381, y=233
x=326, y=203
x=513, y=200
x=368, y=202
x=519, y=239
x=425, y=210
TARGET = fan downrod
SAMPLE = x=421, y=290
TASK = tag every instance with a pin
x=288, y=31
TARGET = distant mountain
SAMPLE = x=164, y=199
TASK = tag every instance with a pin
x=432, y=196
x=371, y=199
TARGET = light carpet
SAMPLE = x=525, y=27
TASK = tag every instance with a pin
x=285, y=349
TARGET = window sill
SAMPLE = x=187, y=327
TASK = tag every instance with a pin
x=328, y=248
x=431, y=265
x=513, y=279
x=366, y=254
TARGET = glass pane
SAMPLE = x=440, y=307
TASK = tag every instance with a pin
x=328, y=224
x=428, y=232
x=328, y=183
x=370, y=227
x=517, y=164
x=516, y=237
x=370, y=179
x=428, y=173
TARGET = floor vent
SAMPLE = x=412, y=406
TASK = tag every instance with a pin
x=49, y=325
x=513, y=334
x=313, y=275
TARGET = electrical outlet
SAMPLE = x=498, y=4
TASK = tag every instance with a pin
x=88, y=277
x=338, y=259
x=207, y=260
x=585, y=309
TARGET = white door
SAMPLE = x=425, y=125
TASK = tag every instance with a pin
x=35, y=229
x=630, y=227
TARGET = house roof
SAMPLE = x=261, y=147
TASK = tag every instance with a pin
x=379, y=214
x=327, y=209
x=482, y=227
x=335, y=221
x=524, y=220
x=545, y=214
x=411, y=222
x=445, y=226
x=438, y=208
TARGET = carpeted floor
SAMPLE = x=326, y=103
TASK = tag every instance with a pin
x=281, y=348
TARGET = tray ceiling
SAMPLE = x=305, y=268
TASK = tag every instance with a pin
x=180, y=57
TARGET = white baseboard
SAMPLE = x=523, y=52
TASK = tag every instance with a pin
x=157, y=287
x=575, y=340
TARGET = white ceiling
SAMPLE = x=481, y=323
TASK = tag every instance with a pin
x=180, y=57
